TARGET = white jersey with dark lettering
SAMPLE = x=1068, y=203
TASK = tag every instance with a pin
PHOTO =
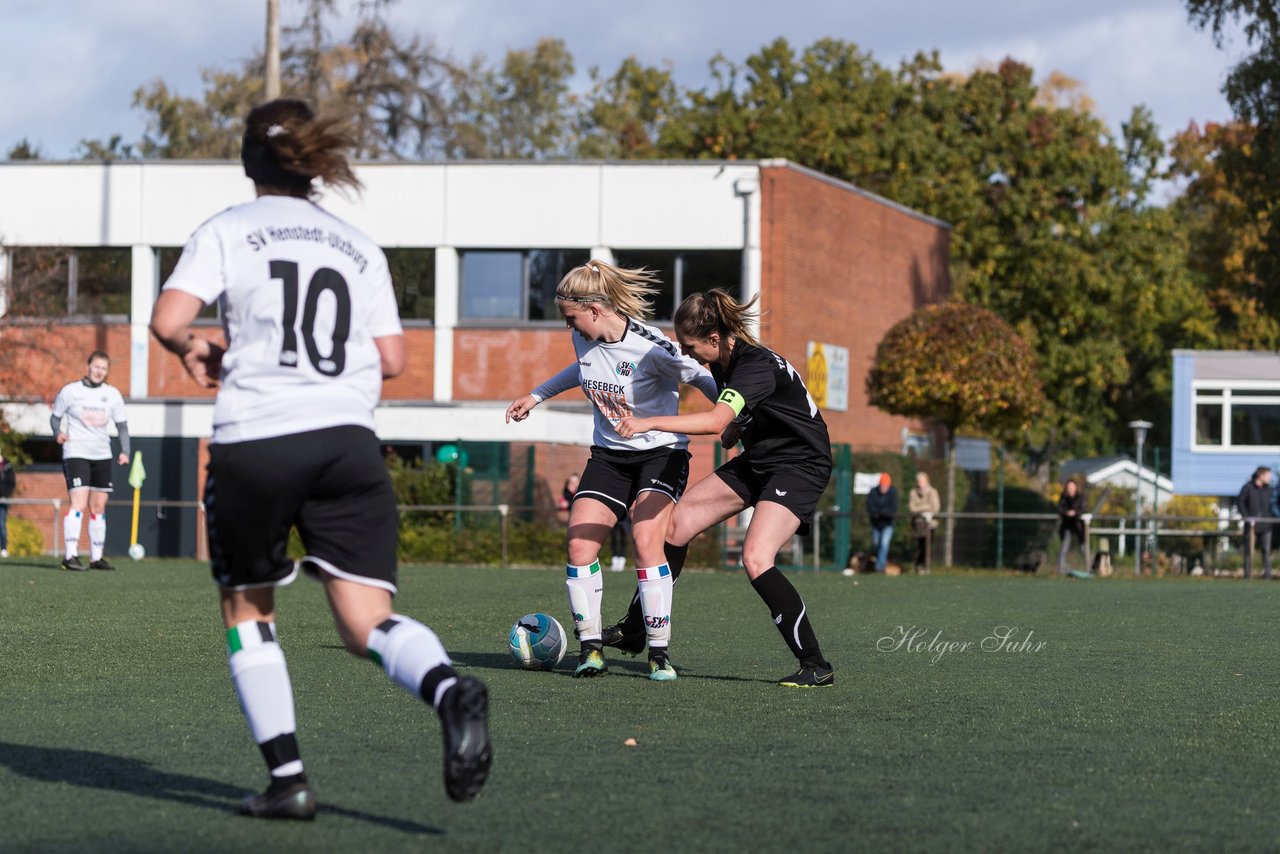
x=88, y=410
x=303, y=294
x=638, y=375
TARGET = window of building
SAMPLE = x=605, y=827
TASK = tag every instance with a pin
x=166, y=259
x=514, y=284
x=69, y=282
x=43, y=454
x=684, y=272
x=1229, y=416
x=413, y=275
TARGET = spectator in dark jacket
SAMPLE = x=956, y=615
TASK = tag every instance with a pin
x=8, y=482
x=1254, y=504
x=1070, y=523
x=882, y=506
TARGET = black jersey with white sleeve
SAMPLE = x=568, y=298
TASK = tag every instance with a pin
x=779, y=420
x=639, y=375
x=303, y=296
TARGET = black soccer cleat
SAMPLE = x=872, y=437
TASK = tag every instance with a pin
x=591, y=663
x=811, y=676
x=630, y=643
x=101, y=563
x=73, y=564
x=464, y=717
x=295, y=801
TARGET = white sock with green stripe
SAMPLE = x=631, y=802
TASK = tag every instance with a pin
x=262, y=683
x=586, y=593
x=412, y=657
x=656, y=588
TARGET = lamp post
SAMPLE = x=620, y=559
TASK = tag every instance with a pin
x=1140, y=429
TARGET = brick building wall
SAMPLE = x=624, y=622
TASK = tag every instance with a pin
x=41, y=358
x=841, y=268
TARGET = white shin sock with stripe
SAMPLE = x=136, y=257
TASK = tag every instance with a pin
x=97, y=535
x=656, y=586
x=412, y=657
x=586, y=593
x=71, y=532
x=261, y=680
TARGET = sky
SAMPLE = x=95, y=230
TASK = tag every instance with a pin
x=69, y=67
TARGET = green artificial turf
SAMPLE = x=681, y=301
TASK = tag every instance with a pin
x=1146, y=720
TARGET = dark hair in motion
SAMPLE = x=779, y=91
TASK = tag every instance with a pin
x=286, y=146
x=701, y=314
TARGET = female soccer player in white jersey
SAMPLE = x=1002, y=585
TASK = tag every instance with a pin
x=312, y=328
x=88, y=405
x=624, y=367
x=782, y=472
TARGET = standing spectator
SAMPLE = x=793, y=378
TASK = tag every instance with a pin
x=1070, y=522
x=924, y=505
x=1254, y=503
x=88, y=405
x=8, y=480
x=567, y=492
x=882, y=507
x=619, y=536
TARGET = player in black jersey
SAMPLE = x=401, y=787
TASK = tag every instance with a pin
x=311, y=331
x=782, y=472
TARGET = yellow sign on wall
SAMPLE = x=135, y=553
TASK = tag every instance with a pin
x=827, y=375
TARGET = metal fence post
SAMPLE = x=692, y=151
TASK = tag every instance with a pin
x=817, y=540
x=1000, y=510
x=504, y=511
x=57, y=517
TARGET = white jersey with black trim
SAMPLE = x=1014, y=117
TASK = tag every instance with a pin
x=88, y=411
x=303, y=295
x=638, y=375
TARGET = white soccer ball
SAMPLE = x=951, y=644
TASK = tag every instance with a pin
x=137, y=552
x=537, y=642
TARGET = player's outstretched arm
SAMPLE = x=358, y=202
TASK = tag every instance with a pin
x=563, y=381
x=712, y=422
x=171, y=320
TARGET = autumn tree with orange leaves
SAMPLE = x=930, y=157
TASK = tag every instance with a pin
x=960, y=366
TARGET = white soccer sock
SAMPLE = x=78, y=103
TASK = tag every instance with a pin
x=412, y=657
x=262, y=683
x=97, y=535
x=71, y=532
x=586, y=593
x=656, y=585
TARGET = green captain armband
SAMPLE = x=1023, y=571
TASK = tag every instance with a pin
x=733, y=400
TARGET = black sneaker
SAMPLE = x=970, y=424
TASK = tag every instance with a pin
x=101, y=563
x=464, y=716
x=295, y=801
x=630, y=643
x=73, y=563
x=811, y=676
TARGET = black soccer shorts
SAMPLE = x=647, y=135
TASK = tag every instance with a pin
x=798, y=488
x=617, y=478
x=94, y=475
x=331, y=483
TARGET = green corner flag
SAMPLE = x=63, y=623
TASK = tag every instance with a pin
x=137, y=474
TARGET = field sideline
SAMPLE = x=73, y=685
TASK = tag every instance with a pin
x=1146, y=719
